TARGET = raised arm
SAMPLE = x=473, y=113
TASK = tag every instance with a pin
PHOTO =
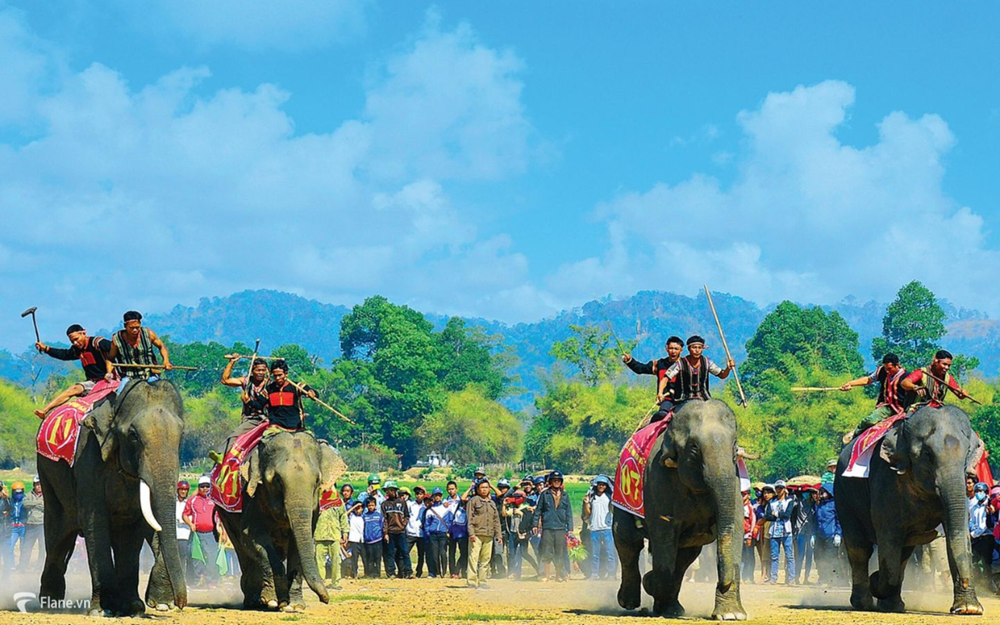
x=227, y=373
x=56, y=352
x=164, y=353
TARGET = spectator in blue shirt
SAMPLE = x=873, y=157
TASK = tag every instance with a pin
x=374, y=535
x=437, y=521
x=828, y=535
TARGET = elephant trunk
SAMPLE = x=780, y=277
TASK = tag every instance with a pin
x=300, y=518
x=724, y=489
x=161, y=486
x=951, y=487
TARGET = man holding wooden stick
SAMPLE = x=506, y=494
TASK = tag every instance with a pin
x=932, y=383
x=134, y=346
x=284, y=407
x=694, y=370
x=666, y=396
x=890, y=398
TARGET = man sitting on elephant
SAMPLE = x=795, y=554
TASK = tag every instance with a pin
x=284, y=399
x=693, y=371
x=134, y=346
x=254, y=397
x=930, y=384
x=891, y=400
x=92, y=352
x=667, y=396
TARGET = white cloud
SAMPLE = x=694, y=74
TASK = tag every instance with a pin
x=155, y=194
x=256, y=24
x=807, y=217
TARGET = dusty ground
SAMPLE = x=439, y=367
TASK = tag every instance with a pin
x=427, y=602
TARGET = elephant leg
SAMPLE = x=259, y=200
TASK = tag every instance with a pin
x=126, y=543
x=97, y=536
x=60, y=541
x=859, y=553
x=685, y=558
x=663, y=549
x=293, y=577
x=629, y=545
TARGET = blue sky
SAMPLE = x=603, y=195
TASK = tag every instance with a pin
x=506, y=160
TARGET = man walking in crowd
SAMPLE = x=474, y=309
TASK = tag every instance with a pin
x=890, y=399
x=93, y=356
x=396, y=515
x=373, y=490
x=134, y=346
x=331, y=535
x=779, y=512
x=828, y=536
x=199, y=514
x=183, y=529
x=671, y=390
x=414, y=529
x=484, y=528
x=554, y=520
x=436, y=523
x=597, y=509
x=458, y=531
x=34, y=527
x=981, y=522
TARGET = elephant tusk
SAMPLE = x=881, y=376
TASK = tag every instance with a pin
x=146, y=503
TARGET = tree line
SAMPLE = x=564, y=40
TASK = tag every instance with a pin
x=412, y=389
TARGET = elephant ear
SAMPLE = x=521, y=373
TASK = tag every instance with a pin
x=899, y=449
x=250, y=471
x=976, y=450
x=100, y=420
x=331, y=466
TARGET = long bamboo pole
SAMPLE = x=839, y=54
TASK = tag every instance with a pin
x=725, y=345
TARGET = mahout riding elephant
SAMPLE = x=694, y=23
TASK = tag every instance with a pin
x=284, y=476
x=686, y=508
x=903, y=501
x=119, y=491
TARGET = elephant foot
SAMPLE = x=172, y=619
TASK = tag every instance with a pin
x=272, y=604
x=673, y=609
x=896, y=604
x=161, y=607
x=629, y=597
x=730, y=616
x=972, y=608
x=294, y=607
x=98, y=611
x=861, y=599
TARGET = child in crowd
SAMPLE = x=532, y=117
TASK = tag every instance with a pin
x=374, y=534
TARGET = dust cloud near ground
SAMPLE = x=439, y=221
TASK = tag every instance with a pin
x=433, y=601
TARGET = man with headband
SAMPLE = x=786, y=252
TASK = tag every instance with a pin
x=134, y=346
x=671, y=388
x=254, y=398
x=92, y=352
x=693, y=371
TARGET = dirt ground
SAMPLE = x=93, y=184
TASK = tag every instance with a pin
x=432, y=601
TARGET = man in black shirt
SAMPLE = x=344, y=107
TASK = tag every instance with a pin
x=93, y=356
x=254, y=398
x=284, y=399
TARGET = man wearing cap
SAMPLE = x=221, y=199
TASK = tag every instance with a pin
x=183, y=529
x=831, y=471
x=199, y=514
x=694, y=370
x=779, y=512
x=890, y=394
x=93, y=356
x=659, y=368
x=414, y=531
x=436, y=521
x=373, y=490
x=18, y=516
x=330, y=536
x=395, y=516
x=597, y=509
x=553, y=521
x=134, y=345
x=763, y=531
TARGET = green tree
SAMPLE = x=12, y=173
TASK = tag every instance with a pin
x=18, y=426
x=209, y=358
x=299, y=361
x=591, y=352
x=791, y=337
x=466, y=356
x=472, y=428
x=912, y=328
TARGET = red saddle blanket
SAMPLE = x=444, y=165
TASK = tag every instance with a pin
x=632, y=467
x=863, y=445
x=60, y=430
x=227, y=485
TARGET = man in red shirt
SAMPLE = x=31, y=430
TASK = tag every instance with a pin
x=890, y=398
x=927, y=389
x=199, y=514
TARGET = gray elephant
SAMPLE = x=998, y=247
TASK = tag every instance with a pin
x=686, y=508
x=273, y=535
x=904, y=500
x=119, y=491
